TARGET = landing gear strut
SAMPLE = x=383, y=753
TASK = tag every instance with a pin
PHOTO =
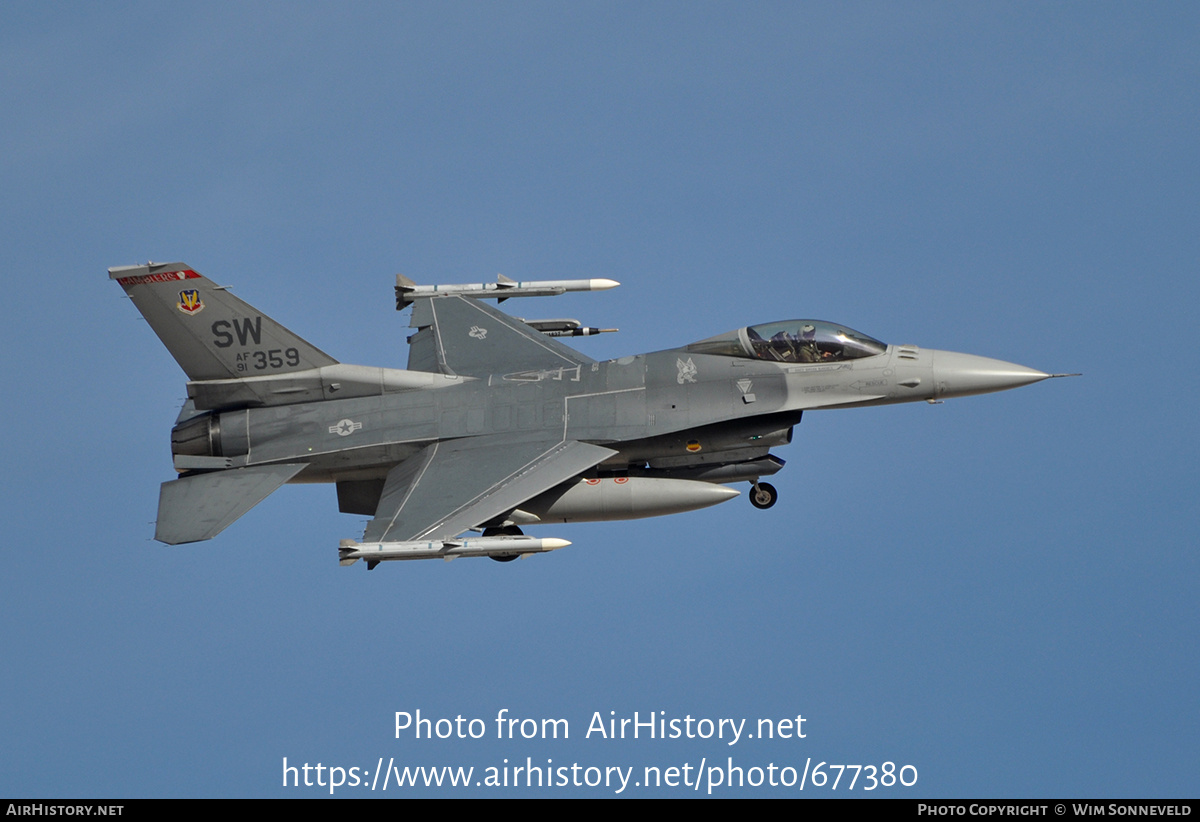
x=506, y=531
x=763, y=495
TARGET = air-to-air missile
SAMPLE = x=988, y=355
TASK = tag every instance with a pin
x=408, y=290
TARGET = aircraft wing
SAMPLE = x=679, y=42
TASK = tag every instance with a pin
x=459, y=484
x=465, y=337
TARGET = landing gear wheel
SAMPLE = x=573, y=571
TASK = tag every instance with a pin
x=763, y=495
x=506, y=531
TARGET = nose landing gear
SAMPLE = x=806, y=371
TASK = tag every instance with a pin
x=763, y=495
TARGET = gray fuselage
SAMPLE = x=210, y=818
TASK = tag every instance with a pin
x=648, y=407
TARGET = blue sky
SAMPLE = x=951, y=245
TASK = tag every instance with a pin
x=998, y=591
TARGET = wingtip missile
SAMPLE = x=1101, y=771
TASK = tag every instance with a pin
x=407, y=290
x=350, y=551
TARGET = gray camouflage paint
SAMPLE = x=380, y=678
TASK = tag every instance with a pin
x=520, y=416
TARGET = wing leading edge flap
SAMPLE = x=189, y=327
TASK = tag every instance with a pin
x=452, y=486
x=199, y=507
x=465, y=337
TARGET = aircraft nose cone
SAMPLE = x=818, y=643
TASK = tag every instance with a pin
x=960, y=375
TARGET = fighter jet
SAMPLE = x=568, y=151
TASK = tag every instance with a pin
x=496, y=425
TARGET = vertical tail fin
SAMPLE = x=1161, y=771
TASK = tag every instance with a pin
x=211, y=333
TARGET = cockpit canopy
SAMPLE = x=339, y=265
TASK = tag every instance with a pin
x=799, y=341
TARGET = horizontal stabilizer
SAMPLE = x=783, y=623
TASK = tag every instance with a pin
x=191, y=509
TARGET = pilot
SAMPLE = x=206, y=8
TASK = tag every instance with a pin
x=806, y=346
